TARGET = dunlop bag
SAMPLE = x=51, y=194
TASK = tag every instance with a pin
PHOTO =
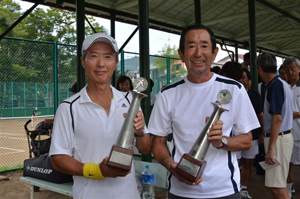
x=41, y=168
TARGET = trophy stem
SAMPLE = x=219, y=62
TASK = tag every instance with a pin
x=200, y=147
x=192, y=165
x=127, y=131
x=121, y=154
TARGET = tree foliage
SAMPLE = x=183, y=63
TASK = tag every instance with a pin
x=161, y=63
x=31, y=63
x=47, y=25
x=166, y=51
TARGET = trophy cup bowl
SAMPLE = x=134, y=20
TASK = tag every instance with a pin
x=121, y=154
x=192, y=164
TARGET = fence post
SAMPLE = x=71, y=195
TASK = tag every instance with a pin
x=25, y=107
x=55, y=76
x=36, y=95
x=48, y=100
x=12, y=98
x=122, y=63
x=168, y=70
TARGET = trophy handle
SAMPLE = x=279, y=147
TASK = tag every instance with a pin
x=201, y=145
x=121, y=154
x=127, y=131
x=192, y=165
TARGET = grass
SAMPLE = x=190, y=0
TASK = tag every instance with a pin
x=13, y=168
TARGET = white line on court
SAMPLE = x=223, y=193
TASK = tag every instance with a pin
x=13, y=138
x=14, y=134
x=13, y=150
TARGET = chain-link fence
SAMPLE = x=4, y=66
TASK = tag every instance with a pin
x=26, y=83
x=27, y=71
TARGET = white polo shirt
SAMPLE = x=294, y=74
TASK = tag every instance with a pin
x=296, y=102
x=181, y=109
x=93, y=136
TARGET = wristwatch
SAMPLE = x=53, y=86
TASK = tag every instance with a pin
x=137, y=135
x=224, y=143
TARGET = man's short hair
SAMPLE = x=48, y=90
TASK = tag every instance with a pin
x=267, y=62
x=73, y=88
x=246, y=57
x=196, y=27
x=233, y=70
x=290, y=60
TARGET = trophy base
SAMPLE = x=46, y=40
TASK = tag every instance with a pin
x=190, y=167
x=120, y=158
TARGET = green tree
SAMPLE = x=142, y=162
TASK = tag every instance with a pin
x=161, y=63
x=50, y=24
x=43, y=25
x=176, y=71
x=26, y=62
x=9, y=13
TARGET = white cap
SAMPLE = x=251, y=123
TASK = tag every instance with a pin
x=99, y=37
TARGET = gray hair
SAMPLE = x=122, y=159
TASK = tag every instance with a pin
x=290, y=60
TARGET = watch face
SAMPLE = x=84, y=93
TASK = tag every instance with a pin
x=224, y=140
x=224, y=96
x=140, y=84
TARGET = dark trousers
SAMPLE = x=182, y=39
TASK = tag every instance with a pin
x=233, y=196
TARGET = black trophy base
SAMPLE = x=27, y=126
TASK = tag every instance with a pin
x=120, y=158
x=190, y=168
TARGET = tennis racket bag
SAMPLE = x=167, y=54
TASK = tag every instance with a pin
x=41, y=168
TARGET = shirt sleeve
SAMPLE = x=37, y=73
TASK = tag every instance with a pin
x=276, y=98
x=62, y=140
x=160, y=121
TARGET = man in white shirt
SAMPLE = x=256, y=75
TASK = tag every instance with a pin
x=88, y=124
x=278, y=118
x=292, y=68
x=181, y=108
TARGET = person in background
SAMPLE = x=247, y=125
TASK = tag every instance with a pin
x=73, y=89
x=235, y=71
x=246, y=63
x=283, y=74
x=232, y=70
x=88, y=124
x=124, y=84
x=292, y=68
x=257, y=134
x=215, y=69
x=278, y=121
x=182, y=109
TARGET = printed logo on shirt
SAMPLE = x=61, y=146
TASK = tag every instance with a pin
x=124, y=105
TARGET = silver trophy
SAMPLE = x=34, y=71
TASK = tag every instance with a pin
x=121, y=154
x=192, y=164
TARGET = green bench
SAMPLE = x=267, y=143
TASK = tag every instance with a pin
x=65, y=188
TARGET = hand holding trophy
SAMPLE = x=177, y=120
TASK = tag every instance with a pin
x=121, y=154
x=192, y=164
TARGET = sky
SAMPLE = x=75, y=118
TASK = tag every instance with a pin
x=158, y=39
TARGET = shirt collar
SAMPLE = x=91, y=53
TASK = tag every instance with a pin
x=118, y=96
